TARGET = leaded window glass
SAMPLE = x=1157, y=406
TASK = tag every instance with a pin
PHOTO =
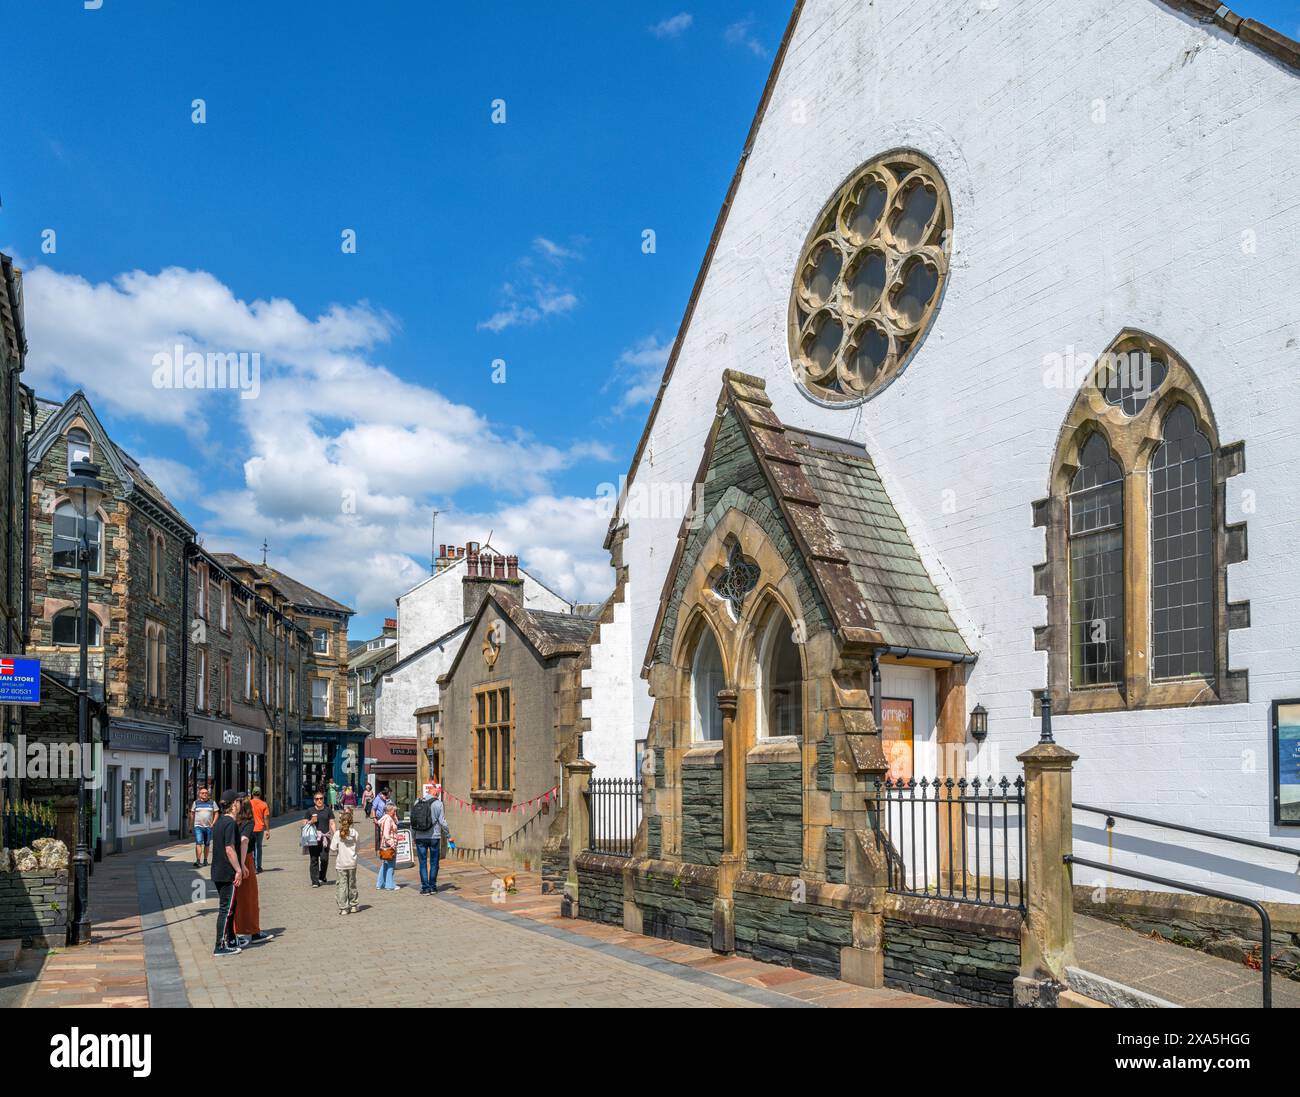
x=1182, y=558
x=1096, y=532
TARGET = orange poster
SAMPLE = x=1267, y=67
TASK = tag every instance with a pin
x=896, y=736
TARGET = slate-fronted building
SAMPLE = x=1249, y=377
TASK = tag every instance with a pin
x=322, y=746
x=18, y=406
x=138, y=545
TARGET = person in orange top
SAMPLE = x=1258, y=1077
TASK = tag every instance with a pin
x=261, y=826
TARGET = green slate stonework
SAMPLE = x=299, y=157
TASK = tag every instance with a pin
x=774, y=817
x=702, y=814
x=968, y=968
x=600, y=896
x=835, y=855
x=734, y=479
x=654, y=836
x=675, y=910
x=797, y=935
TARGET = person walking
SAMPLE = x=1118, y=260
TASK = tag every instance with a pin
x=248, y=912
x=345, y=866
x=318, y=852
x=349, y=797
x=367, y=798
x=261, y=826
x=428, y=825
x=203, y=813
x=227, y=873
x=388, y=850
x=378, y=810
x=332, y=794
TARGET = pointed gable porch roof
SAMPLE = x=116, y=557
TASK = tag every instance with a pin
x=858, y=553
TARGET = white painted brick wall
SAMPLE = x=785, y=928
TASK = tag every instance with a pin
x=609, y=742
x=426, y=612
x=1067, y=231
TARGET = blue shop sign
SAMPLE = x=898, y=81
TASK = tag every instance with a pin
x=20, y=680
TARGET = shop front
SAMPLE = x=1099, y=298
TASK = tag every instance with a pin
x=227, y=755
x=137, y=805
x=394, y=762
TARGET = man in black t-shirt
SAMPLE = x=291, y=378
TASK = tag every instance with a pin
x=227, y=872
x=319, y=854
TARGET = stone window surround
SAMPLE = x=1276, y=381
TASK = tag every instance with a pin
x=51, y=607
x=1133, y=441
x=155, y=630
x=477, y=793
x=101, y=514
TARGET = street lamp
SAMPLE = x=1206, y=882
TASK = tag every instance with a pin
x=86, y=492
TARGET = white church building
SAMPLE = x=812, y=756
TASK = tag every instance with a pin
x=1034, y=265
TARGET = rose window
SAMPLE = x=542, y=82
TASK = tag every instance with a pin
x=870, y=278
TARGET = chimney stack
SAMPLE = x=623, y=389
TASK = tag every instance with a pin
x=390, y=627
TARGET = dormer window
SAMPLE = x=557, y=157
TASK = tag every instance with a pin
x=79, y=448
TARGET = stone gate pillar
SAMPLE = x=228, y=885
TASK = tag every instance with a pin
x=577, y=776
x=1047, y=938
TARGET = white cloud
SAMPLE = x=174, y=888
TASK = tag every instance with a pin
x=673, y=27
x=337, y=462
x=640, y=369
x=539, y=297
x=740, y=33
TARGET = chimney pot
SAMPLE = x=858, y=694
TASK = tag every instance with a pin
x=499, y=567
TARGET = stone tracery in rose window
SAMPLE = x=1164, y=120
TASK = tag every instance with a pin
x=870, y=278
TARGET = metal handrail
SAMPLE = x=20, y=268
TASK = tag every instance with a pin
x=1266, y=924
x=1112, y=815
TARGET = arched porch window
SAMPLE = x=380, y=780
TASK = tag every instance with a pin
x=707, y=680
x=780, y=678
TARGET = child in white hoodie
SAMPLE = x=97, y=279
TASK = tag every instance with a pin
x=345, y=885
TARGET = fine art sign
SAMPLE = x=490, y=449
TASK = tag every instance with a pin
x=1286, y=763
x=896, y=736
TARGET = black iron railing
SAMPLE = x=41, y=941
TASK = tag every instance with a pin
x=954, y=839
x=1266, y=925
x=614, y=804
x=24, y=821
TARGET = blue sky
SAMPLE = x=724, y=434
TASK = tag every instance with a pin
x=474, y=242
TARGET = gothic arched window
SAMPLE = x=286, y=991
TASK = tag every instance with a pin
x=1137, y=542
x=1182, y=552
x=781, y=678
x=1096, y=567
x=706, y=681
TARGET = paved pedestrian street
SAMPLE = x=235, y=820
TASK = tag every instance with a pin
x=472, y=945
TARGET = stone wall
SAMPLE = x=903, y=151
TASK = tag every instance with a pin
x=774, y=817
x=798, y=935
x=678, y=908
x=34, y=907
x=702, y=813
x=600, y=889
x=955, y=952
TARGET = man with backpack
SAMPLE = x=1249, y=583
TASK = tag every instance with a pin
x=428, y=825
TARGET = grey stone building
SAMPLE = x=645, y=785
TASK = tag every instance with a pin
x=322, y=745
x=246, y=688
x=19, y=411
x=510, y=718
x=138, y=545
